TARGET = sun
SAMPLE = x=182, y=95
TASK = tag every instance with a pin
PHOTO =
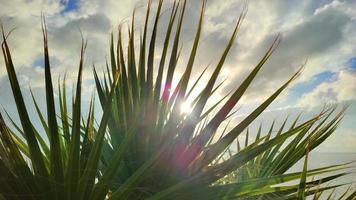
x=185, y=108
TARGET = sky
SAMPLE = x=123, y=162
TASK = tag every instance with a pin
x=320, y=33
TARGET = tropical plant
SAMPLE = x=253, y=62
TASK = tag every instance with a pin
x=143, y=146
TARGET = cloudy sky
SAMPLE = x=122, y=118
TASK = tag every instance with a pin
x=319, y=32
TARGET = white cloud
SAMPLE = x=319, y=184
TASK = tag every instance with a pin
x=342, y=89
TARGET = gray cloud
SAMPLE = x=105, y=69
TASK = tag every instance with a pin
x=313, y=37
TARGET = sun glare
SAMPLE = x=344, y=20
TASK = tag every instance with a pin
x=185, y=108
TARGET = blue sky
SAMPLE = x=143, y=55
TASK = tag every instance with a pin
x=307, y=86
x=69, y=5
x=319, y=32
x=352, y=63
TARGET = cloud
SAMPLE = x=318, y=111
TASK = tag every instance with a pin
x=342, y=89
x=317, y=37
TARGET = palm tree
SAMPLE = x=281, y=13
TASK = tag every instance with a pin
x=144, y=146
